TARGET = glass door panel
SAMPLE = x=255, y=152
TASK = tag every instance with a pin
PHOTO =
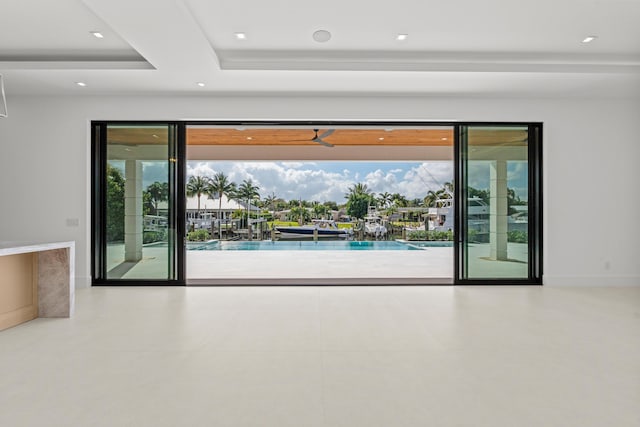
x=139, y=210
x=494, y=242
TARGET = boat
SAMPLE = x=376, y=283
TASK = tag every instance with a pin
x=373, y=225
x=440, y=218
x=324, y=227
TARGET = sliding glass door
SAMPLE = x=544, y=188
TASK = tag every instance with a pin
x=136, y=216
x=491, y=206
x=499, y=204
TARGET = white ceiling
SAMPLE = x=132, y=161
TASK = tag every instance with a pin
x=454, y=47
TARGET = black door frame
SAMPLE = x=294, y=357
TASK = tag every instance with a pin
x=98, y=196
x=534, y=183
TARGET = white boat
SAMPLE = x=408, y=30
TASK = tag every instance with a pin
x=324, y=228
x=373, y=225
x=440, y=218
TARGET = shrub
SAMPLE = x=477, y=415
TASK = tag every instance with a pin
x=198, y=235
x=517, y=236
x=153, y=236
x=417, y=235
x=430, y=235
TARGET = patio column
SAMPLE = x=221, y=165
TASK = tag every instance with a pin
x=133, y=223
x=498, y=211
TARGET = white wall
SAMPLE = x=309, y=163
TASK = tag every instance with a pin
x=591, y=153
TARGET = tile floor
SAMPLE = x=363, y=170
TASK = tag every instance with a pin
x=329, y=356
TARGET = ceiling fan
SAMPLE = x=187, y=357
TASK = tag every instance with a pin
x=319, y=139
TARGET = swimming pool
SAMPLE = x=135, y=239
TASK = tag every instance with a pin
x=334, y=245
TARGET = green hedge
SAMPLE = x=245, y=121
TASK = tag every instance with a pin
x=430, y=235
x=517, y=236
x=198, y=235
x=153, y=236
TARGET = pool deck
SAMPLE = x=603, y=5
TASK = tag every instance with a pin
x=433, y=265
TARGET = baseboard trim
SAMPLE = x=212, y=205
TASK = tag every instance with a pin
x=447, y=281
x=591, y=281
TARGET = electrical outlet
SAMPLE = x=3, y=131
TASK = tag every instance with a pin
x=73, y=222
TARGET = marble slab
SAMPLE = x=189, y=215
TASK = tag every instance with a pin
x=56, y=274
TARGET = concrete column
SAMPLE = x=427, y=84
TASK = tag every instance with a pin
x=498, y=210
x=133, y=223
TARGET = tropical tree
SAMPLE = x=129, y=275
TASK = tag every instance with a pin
x=299, y=213
x=219, y=186
x=270, y=202
x=358, y=188
x=359, y=198
x=481, y=194
x=319, y=210
x=384, y=199
x=280, y=204
x=197, y=186
x=115, y=205
x=358, y=205
x=158, y=192
x=399, y=200
x=416, y=202
x=331, y=205
x=247, y=191
x=430, y=199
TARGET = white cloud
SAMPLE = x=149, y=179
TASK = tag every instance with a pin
x=378, y=181
x=297, y=165
x=425, y=177
x=309, y=181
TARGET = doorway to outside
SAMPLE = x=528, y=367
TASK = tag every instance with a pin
x=316, y=203
x=332, y=205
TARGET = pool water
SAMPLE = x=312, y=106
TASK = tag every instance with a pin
x=267, y=245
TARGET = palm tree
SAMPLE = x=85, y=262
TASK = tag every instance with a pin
x=384, y=199
x=300, y=214
x=197, y=186
x=247, y=191
x=219, y=186
x=358, y=189
x=430, y=198
x=269, y=202
x=319, y=210
x=158, y=192
x=399, y=200
x=359, y=198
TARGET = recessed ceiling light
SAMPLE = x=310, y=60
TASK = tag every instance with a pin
x=443, y=139
x=249, y=138
x=200, y=84
x=240, y=36
x=96, y=34
x=154, y=135
x=83, y=84
x=401, y=37
x=589, y=39
x=381, y=139
x=322, y=36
